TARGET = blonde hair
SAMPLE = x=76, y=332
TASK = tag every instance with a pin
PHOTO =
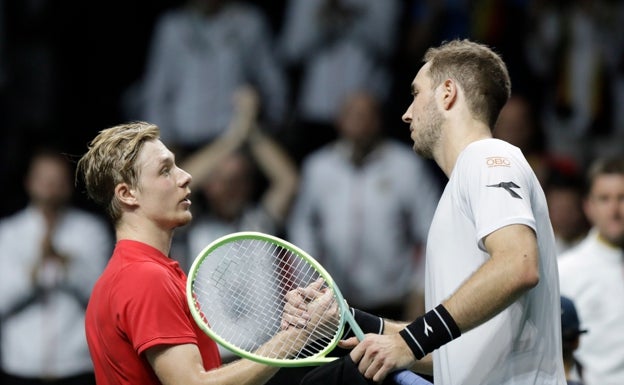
x=111, y=159
x=479, y=70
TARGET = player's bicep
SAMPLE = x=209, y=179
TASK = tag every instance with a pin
x=176, y=364
x=514, y=248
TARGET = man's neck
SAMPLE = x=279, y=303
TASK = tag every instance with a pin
x=447, y=153
x=146, y=233
x=359, y=151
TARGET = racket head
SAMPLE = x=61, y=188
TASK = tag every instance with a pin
x=235, y=291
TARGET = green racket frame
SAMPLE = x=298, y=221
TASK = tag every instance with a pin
x=319, y=357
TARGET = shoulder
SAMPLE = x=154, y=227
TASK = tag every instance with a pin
x=494, y=158
x=141, y=267
x=578, y=254
x=139, y=281
x=325, y=156
x=577, y=268
x=14, y=226
x=84, y=222
x=17, y=218
x=491, y=152
x=85, y=217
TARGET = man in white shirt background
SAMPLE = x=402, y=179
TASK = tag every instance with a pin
x=51, y=254
x=592, y=275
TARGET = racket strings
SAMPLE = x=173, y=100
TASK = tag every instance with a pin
x=240, y=290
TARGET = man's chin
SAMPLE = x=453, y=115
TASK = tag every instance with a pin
x=425, y=153
x=185, y=220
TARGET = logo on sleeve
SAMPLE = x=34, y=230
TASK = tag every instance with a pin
x=497, y=161
x=508, y=186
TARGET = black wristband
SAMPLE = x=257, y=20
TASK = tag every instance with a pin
x=430, y=331
x=368, y=323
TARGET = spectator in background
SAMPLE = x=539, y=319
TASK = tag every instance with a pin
x=612, y=40
x=591, y=274
x=570, y=333
x=563, y=49
x=225, y=173
x=50, y=256
x=608, y=135
x=332, y=48
x=200, y=54
x=564, y=194
x=246, y=182
x=364, y=209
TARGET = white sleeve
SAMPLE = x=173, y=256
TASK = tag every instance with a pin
x=497, y=189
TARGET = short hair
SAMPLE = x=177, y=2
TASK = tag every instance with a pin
x=612, y=165
x=480, y=72
x=111, y=159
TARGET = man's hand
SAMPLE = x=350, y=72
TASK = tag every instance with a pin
x=378, y=355
x=296, y=307
x=310, y=313
x=324, y=316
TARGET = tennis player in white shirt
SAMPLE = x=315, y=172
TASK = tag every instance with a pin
x=492, y=290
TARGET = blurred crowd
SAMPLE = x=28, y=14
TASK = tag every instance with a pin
x=287, y=114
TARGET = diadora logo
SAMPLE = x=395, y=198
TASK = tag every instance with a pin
x=507, y=186
x=428, y=329
x=497, y=161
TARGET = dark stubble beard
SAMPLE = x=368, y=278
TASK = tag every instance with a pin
x=428, y=132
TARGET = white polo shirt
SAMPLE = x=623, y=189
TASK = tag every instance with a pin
x=365, y=224
x=592, y=275
x=493, y=186
x=45, y=336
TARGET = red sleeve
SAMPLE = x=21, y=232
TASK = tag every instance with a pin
x=153, y=308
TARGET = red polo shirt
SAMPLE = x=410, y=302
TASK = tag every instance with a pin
x=140, y=302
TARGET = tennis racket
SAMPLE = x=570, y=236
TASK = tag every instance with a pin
x=236, y=291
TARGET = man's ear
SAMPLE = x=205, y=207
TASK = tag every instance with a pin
x=125, y=194
x=449, y=94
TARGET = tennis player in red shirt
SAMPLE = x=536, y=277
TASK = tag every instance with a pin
x=138, y=324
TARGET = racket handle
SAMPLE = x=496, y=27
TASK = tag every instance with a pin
x=406, y=377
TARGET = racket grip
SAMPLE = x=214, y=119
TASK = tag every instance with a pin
x=406, y=377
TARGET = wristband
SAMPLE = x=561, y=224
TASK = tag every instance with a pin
x=430, y=331
x=368, y=323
